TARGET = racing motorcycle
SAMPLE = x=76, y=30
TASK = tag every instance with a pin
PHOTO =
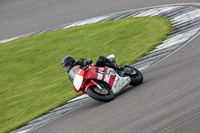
x=102, y=83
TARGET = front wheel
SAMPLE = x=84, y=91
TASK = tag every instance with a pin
x=137, y=78
x=103, y=95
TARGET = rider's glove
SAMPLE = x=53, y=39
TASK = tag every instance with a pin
x=87, y=62
x=121, y=67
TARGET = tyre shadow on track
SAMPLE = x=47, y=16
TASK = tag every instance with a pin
x=130, y=88
x=123, y=92
x=97, y=104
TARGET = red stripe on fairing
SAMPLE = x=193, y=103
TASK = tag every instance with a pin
x=75, y=88
x=104, y=74
x=97, y=70
x=111, y=81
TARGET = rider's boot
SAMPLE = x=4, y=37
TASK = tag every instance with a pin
x=120, y=67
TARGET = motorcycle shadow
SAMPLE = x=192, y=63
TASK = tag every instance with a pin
x=129, y=88
x=125, y=90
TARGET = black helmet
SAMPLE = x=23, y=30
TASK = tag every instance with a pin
x=67, y=63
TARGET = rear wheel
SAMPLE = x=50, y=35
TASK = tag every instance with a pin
x=104, y=95
x=137, y=78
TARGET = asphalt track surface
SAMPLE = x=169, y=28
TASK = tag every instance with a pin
x=167, y=101
x=19, y=17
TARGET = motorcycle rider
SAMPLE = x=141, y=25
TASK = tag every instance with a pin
x=69, y=62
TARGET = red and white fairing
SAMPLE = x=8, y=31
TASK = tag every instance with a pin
x=80, y=78
x=113, y=79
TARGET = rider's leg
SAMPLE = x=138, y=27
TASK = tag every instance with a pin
x=103, y=61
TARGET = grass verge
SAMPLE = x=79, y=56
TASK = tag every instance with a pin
x=32, y=80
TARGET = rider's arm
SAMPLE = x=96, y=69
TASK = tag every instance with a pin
x=80, y=62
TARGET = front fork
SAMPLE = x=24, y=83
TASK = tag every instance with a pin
x=100, y=88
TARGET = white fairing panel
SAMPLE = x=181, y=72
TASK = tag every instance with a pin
x=78, y=82
x=120, y=83
x=107, y=77
x=100, y=73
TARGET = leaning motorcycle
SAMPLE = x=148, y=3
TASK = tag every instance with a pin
x=102, y=83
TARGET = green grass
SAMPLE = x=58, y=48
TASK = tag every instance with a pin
x=32, y=80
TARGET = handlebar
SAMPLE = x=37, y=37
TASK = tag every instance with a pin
x=85, y=67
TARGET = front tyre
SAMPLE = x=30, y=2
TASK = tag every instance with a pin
x=104, y=95
x=137, y=78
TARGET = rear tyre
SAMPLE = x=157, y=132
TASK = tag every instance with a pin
x=137, y=78
x=104, y=95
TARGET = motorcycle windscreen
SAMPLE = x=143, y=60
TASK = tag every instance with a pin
x=72, y=73
x=75, y=78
